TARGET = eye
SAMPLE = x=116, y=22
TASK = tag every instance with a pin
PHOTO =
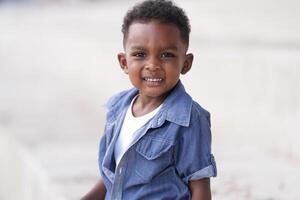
x=139, y=54
x=167, y=55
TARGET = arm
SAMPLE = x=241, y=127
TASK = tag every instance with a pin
x=96, y=193
x=200, y=189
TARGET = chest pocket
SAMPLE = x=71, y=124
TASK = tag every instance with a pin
x=153, y=158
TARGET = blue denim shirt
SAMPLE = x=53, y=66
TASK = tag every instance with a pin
x=172, y=148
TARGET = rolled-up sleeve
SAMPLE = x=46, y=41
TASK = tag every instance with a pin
x=193, y=157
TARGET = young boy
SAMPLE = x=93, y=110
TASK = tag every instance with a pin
x=157, y=140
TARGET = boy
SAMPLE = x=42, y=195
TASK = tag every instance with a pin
x=156, y=142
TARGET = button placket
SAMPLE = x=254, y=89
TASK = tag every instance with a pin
x=119, y=178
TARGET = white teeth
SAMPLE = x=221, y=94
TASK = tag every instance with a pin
x=153, y=79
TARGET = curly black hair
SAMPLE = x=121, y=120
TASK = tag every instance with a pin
x=162, y=10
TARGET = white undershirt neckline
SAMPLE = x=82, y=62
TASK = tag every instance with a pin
x=128, y=132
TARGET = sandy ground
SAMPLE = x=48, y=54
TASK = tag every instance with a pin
x=58, y=66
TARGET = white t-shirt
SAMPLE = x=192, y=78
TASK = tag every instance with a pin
x=127, y=134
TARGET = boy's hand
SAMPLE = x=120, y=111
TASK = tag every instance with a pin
x=200, y=189
x=96, y=193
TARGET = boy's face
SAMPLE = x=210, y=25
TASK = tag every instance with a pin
x=154, y=58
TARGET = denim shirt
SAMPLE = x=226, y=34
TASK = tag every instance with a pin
x=171, y=149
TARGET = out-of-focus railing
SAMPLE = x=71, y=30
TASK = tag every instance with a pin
x=21, y=176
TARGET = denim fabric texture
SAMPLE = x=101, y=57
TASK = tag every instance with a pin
x=171, y=149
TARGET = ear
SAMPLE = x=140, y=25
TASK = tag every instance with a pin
x=187, y=65
x=123, y=62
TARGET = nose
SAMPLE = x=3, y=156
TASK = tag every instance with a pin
x=152, y=67
x=153, y=64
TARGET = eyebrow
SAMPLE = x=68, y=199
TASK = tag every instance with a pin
x=171, y=48
x=137, y=47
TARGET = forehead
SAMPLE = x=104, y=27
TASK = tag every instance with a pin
x=154, y=33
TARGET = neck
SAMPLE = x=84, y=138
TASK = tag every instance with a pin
x=143, y=105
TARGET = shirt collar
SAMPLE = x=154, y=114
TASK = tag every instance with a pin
x=176, y=108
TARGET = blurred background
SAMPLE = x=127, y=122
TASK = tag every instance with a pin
x=58, y=66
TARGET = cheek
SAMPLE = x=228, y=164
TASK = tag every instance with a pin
x=134, y=73
x=134, y=69
x=173, y=69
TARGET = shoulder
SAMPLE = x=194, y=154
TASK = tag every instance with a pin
x=118, y=102
x=198, y=131
x=199, y=116
x=120, y=97
x=115, y=98
x=199, y=111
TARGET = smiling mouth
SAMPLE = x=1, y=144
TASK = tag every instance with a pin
x=153, y=81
